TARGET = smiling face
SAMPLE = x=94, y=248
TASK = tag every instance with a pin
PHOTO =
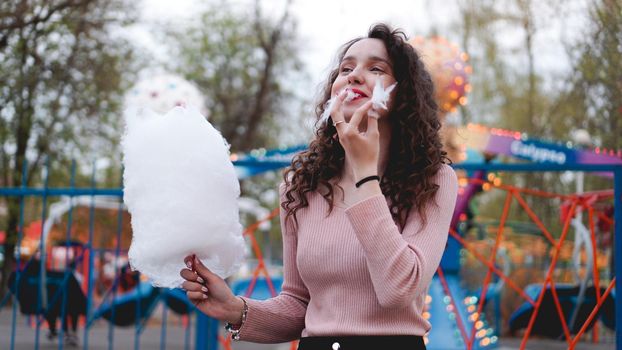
x=363, y=64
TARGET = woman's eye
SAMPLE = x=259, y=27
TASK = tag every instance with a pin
x=346, y=70
x=377, y=69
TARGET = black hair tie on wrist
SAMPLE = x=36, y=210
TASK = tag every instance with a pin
x=367, y=179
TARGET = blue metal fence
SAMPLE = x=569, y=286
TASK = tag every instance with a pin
x=43, y=300
x=207, y=337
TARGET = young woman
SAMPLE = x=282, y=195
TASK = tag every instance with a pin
x=365, y=214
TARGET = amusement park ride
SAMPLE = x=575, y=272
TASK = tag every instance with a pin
x=461, y=318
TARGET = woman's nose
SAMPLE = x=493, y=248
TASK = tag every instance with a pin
x=355, y=77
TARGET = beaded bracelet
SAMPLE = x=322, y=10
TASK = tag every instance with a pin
x=234, y=330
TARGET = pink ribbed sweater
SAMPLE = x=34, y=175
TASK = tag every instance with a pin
x=353, y=272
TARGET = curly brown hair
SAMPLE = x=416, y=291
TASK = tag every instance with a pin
x=415, y=151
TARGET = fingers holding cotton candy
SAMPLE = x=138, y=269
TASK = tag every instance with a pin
x=333, y=104
x=181, y=190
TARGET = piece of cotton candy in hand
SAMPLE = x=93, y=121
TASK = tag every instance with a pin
x=380, y=97
x=328, y=109
x=181, y=190
x=350, y=95
x=330, y=105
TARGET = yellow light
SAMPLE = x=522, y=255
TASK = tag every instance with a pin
x=468, y=69
x=485, y=341
x=426, y=315
x=479, y=324
x=233, y=157
x=491, y=177
x=471, y=308
x=464, y=56
x=453, y=94
x=462, y=100
x=428, y=299
x=497, y=182
x=458, y=81
x=480, y=333
x=486, y=187
x=467, y=88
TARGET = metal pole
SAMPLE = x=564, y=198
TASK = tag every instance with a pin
x=18, y=247
x=63, y=312
x=116, y=269
x=42, y=302
x=617, y=251
x=206, y=332
x=164, y=321
x=91, y=250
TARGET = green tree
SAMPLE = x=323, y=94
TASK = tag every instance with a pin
x=243, y=62
x=596, y=83
x=510, y=92
x=62, y=78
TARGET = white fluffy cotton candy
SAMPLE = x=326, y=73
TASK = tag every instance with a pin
x=330, y=105
x=380, y=95
x=181, y=190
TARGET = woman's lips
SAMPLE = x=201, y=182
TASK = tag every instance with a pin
x=354, y=94
x=359, y=92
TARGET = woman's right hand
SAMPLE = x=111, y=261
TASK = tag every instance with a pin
x=210, y=293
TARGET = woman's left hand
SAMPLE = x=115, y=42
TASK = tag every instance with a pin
x=362, y=148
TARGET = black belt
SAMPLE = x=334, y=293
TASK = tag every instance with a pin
x=373, y=342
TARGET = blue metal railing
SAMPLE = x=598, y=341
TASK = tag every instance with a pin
x=60, y=295
x=207, y=337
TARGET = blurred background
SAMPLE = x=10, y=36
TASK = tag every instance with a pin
x=545, y=73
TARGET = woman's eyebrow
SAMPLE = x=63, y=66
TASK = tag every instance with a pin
x=378, y=58
x=369, y=58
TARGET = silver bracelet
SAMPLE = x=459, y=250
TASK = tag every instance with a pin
x=235, y=332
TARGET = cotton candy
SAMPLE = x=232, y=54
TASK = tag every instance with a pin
x=330, y=105
x=181, y=191
x=328, y=109
x=380, y=97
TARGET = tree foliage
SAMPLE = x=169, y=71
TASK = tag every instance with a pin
x=510, y=91
x=63, y=73
x=595, y=91
x=242, y=61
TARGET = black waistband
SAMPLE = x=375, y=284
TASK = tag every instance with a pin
x=380, y=342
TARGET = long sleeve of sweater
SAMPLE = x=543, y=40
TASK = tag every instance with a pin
x=350, y=271
x=402, y=264
x=282, y=318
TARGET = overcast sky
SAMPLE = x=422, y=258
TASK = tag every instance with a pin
x=323, y=25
